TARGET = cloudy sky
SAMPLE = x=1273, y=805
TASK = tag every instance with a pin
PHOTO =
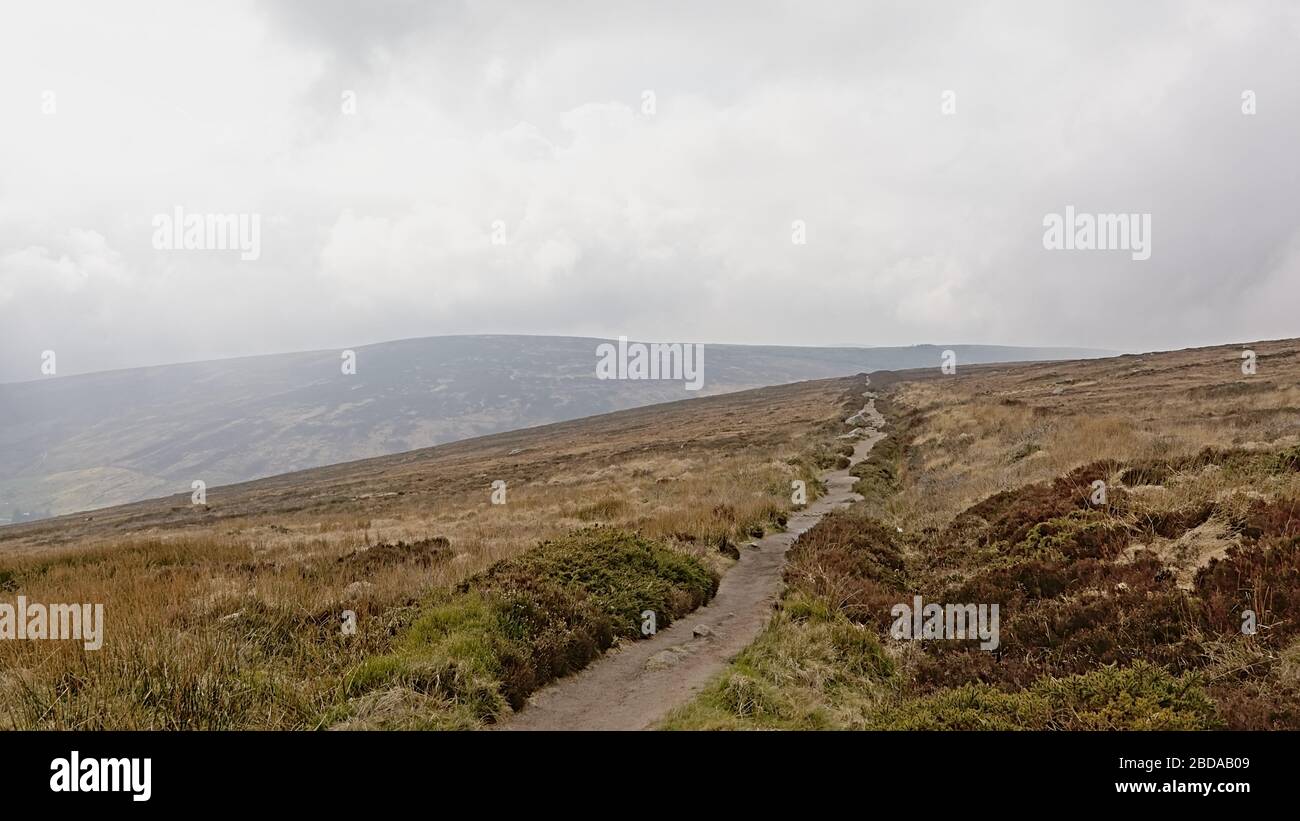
x=645, y=164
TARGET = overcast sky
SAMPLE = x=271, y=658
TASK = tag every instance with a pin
x=673, y=223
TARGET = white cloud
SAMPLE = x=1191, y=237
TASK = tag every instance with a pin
x=922, y=227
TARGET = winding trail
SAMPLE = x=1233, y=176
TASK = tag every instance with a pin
x=635, y=686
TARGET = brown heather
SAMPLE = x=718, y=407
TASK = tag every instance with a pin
x=1123, y=615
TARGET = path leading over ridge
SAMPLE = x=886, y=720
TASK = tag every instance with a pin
x=635, y=686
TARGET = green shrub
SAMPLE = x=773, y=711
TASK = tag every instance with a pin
x=533, y=618
x=969, y=707
x=1078, y=535
x=621, y=573
x=1142, y=696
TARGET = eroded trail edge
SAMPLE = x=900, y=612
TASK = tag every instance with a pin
x=635, y=686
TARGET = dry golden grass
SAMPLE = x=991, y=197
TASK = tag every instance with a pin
x=229, y=615
x=994, y=428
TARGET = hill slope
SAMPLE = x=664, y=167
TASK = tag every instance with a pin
x=95, y=440
x=228, y=615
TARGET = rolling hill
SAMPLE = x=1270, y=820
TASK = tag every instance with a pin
x=472, y=611
x=95, y=440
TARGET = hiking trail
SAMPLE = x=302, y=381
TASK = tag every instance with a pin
x=636, y=685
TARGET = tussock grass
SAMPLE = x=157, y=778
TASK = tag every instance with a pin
x=811, y=668
x=526, y=621
x=230, y=616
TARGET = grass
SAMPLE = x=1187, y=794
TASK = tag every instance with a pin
x=812, y=668
x=229, y=617
x=1125, y=613
x=1142, y=696
x=482, y=650
x=878, y=474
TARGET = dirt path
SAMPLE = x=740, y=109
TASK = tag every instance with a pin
x=635, y=686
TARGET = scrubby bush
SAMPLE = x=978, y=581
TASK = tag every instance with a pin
x=533, y=618
x=1139, y=697
x=1079, y=535
x=1103, y=625
x=1261, y=576
x=852, y=561
x=420, y=553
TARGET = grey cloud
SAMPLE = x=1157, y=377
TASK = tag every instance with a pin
x=923, y=228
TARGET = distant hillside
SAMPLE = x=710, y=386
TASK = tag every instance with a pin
x=90, y=441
